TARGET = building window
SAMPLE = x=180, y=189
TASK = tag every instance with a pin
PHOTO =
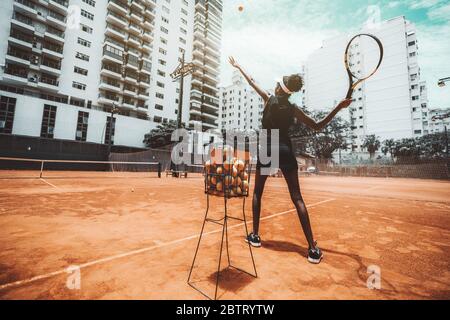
x=161, y=73
x=164, y=41
x=82, y=56
x=84, y=42
x=159, y=95
x=82, y=126
x=85, y=28
x=159, y=107
x=165, y=20
x=81, y=71
x=90, y=2
x=162, y=62
x=162, y=51
x=164, y=30
x=7, y=110
x=48, y=121
x=77, y=85
x=113, y=130
x=86, y=14
x=160, y=84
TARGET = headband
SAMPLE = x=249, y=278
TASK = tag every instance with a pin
x=283, y=86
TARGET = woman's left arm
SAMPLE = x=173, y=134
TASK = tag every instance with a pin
x=319, y=125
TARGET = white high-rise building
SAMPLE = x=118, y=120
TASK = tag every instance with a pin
x=241, y=107
x=67, y=63
x=438, y=120
x=391, y=104
x=204, y=109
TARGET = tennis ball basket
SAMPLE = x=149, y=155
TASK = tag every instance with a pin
x=227, y=176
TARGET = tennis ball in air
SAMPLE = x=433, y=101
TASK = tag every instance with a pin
x=241, y=7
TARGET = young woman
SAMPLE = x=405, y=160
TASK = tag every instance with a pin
x=279, y=114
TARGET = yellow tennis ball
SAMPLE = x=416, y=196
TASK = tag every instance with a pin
x=213, y=180
x=244, y=176
x=227, y=166
x=240, y=165
x=219, y=186
x=245, y=185
x=234, y=171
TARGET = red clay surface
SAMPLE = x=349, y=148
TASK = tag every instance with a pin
x=134, y=238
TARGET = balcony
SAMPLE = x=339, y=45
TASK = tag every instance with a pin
x=113, y=31
x=15, y=75
x=144, y=82
x=148, y=24
x=59, y=6
x=116, y=19
x=52, y=67
x=150, y=13
x=112, y=56
x=118, y=6
x=111, y=71
x=16, y=56
x=22, y=22
x=110, y=85
x=56, y=20
x=52, y=50
x=129, y=91
x=128, y=103
x=137, y=5
x=108, y=99
x=148, y=36
x=134, y=41
x=54, y=34
x=48, y=83
x=135, y=17
x=21, y=39
x=131, y=78
x=25, y=7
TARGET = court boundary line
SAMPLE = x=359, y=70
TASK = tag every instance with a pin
x=50, y=184
x=142, y=250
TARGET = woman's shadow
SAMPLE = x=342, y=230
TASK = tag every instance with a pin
x=285, y=246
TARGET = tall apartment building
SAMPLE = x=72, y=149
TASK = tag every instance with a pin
x=391, y=104
x=438, y=120
x=204, y=108
x=67, y=63
x=241, y=107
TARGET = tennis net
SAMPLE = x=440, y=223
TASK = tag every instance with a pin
x=45, y=168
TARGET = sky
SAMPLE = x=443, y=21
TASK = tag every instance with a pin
x=271, y=38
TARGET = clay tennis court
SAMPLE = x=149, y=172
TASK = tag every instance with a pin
x=134, y=237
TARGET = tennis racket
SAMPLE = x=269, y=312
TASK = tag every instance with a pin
x=363, y=57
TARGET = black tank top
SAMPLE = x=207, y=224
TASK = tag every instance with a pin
x=279, y=114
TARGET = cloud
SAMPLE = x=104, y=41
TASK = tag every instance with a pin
x=440, y=13
x=423, y=4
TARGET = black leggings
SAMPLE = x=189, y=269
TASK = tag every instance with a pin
x=291, y=177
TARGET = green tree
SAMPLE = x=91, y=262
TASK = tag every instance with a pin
x=324, y=143
x=372, y=144
x=161, y=135
x=388, y=147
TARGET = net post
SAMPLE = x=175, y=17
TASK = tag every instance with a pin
x=42, y=168
x=159, y=169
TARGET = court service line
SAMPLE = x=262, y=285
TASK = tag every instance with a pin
x=50, y=184
x=142, y=250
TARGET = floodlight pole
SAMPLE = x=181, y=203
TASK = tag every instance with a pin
x=114, y=110
x=180, y=72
